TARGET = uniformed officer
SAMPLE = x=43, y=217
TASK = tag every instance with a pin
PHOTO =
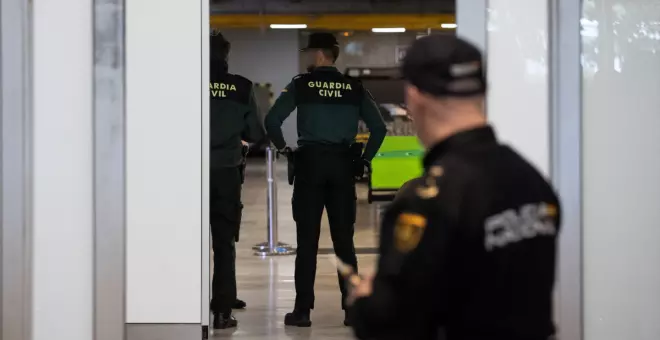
x=330, y=106
x=467, y=252
x=233, y=118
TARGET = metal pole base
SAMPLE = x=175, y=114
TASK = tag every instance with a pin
x=263, y=246
x=278, y=251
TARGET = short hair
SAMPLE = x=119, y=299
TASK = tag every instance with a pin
x=331, y=53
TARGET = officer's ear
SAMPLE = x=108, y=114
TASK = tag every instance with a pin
x=411, y=93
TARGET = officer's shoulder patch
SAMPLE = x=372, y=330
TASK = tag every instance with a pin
x=428, y=190
x=425, y=187
x=408, y=231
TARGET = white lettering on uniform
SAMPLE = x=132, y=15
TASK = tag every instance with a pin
x=330, y=93
x=510, y=226
x=220, y=89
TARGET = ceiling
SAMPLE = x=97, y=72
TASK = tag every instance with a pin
x=334, y=22
x=331, y=6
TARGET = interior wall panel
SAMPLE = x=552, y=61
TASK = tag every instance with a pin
x=62, y=177
x=621, y=164
x=164, y=173
x=518, y=76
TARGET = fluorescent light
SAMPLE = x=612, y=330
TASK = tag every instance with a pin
x=288, y=26
x=448, y=25
x=389, y=30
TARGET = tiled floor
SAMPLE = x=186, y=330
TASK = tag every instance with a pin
x=267, y=285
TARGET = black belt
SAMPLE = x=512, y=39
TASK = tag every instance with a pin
x=324, y=147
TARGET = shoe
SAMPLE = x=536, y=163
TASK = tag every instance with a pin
x=239, y=304
x=223, y=321
x=298, y=319
x=347, y=318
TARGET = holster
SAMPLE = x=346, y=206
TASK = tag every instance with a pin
x=356, y=151
x=291, y=166
x=356, y=155
x=244, y=152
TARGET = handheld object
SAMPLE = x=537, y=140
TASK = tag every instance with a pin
x=346, y=271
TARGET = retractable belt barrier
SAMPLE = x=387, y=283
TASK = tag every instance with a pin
x=272, y=247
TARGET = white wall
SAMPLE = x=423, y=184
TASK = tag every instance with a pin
x=62, y=219
x=621, y=174
x=269, y=56
x=471, y=17
x=165, y=93
x=518, y=97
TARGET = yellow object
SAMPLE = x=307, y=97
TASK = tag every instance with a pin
x=336, y=22
x=408, y=231
x=429, y=190
x=362, y=138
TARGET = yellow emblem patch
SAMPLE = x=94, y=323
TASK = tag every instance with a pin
x=428, y=190
x=408, y=231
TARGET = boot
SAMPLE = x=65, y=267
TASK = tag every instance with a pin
x=298, y=319
x=239, y=304
x=347, y=318
x=223, y=321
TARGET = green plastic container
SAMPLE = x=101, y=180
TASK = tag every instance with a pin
x=398, y=160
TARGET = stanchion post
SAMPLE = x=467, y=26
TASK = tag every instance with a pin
x=272, y=247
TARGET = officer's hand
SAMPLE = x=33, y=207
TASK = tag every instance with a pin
x=286, y=151
x=365, y=288
x=361, y=167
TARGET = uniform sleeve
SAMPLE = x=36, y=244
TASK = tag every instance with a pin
x=254, y=130
x=411, y=282
x=371, y=116
x=284, y=105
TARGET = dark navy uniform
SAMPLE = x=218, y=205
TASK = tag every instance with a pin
x=233, y=118
x=330, y=106
x=467, y=251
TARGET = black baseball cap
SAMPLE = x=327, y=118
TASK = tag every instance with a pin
x=321, y=41
x=445, y=66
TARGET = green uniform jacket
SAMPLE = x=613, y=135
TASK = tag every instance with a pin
x=234, y=118
x=330, y=106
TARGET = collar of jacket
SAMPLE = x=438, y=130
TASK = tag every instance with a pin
x=326, y=68
x=467, y=138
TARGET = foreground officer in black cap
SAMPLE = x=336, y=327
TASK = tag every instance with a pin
x=467, y=252
x=233, y=118
x=329, y=109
